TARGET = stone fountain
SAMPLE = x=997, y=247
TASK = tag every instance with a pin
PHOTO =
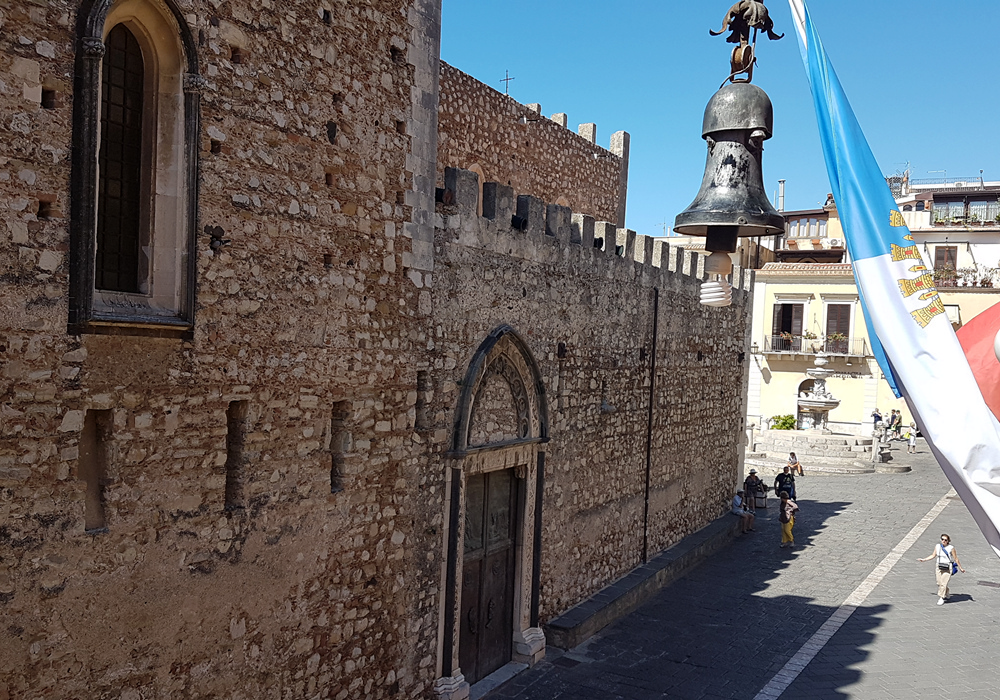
x=815, y=405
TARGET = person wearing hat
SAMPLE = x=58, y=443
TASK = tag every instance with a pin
x=753, y=486
x=739, y=508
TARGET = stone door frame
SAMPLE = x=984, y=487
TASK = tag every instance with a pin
x=503, y=352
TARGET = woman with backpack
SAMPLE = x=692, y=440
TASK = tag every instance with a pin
x=947, y=565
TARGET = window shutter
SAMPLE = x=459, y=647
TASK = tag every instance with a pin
x=776, y=320
x=838, y=319
x=945, y=256
x=797, y=319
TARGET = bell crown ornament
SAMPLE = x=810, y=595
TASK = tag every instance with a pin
x=738, y=106
x=738, y=119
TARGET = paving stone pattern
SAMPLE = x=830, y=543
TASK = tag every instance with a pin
x=726, y=628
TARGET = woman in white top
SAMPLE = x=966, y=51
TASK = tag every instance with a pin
x=911, y=441
x=795, y=465
x=746, y=519
x=945, y=554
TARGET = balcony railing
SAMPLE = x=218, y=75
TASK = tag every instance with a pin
x=806, y=346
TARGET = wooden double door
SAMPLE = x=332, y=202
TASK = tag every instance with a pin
x=487, y=623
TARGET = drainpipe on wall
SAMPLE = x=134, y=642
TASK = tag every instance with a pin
x=649, y=425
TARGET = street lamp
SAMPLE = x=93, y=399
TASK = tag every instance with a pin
x=738, y=119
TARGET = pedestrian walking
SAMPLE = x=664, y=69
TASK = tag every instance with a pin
x=876, y=418
x=739, y=509
x=948, y=564
x=786, y=516
x=898, y=428
x=785, y=482
x=794, y=463
x=911, y=440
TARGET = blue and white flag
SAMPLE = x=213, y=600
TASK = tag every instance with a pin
x=912, y=338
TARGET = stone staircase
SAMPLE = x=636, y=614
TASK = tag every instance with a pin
x=818, y=453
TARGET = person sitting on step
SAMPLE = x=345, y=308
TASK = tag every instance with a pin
x=746, y=517
x=794, y=464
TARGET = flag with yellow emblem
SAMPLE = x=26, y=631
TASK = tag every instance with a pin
x=911, y=336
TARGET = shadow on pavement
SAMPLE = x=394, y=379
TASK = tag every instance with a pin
x=715, y=633
x=960, y=598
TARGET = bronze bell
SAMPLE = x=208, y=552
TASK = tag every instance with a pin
x=732, y=201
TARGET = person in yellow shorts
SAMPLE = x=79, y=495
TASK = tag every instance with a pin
x=786, y=516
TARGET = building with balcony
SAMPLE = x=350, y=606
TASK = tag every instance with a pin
x=807, y=302
x=812, y=236
x=802, y=309
x=956, y=223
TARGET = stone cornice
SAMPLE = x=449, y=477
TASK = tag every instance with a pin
x=806, y=270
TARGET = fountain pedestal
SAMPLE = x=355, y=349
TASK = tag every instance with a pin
x=815, y=406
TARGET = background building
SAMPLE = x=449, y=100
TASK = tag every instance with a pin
x=808, y=302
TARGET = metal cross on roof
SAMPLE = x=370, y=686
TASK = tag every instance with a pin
x=506, y=82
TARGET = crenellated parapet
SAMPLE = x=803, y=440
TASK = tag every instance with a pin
x=525, y=227
x=487, y=131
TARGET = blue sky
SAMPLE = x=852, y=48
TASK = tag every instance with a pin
x=921, y=76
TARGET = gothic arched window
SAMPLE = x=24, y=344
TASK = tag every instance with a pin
x=134, y=186
x=120, y=196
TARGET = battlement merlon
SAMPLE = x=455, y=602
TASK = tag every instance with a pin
x=550, y=228
x=620, y=141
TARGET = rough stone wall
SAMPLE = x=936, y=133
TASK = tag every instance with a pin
x=559, y=289
x=322, y=314
x=481, y=126
x=304, y=593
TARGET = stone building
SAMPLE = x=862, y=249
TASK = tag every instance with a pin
x=277, y=423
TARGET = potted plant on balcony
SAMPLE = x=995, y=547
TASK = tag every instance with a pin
x=988, y=276
x=836, y=342
x=968, y=276
x=787, y=341
x=809, y=335
x=944, y=276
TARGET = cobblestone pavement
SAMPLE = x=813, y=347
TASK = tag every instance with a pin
x=727, y=627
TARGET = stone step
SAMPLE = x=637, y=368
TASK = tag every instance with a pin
x=818, y=450
x=792, y=439
x=832, y=460
x=785, y=437
x=891, y=468
x=766, y=468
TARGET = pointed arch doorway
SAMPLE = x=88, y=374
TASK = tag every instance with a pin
x=496, y=476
